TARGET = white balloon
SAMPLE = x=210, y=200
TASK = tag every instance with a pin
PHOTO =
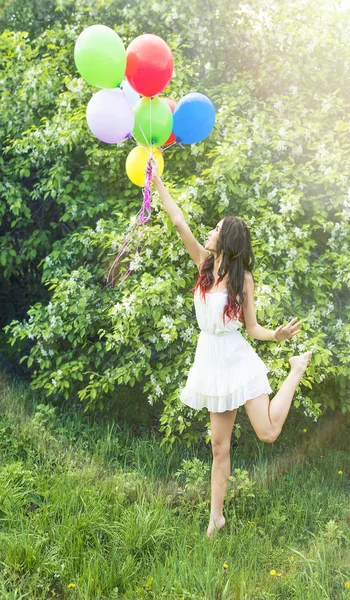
x=109, y=116
x=129, y=92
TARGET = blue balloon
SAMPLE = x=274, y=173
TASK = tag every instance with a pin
x=194, y=118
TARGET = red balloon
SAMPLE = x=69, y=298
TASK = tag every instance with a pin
x=149, y=64
x=172, y=106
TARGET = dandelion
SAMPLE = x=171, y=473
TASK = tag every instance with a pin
x=71, y=585
x=347, y=585
x=321, y=456
x=340, y=472
x=225, y=566
x=304, y=430
x=292, y=557
x=279, y=574
x=273, y=572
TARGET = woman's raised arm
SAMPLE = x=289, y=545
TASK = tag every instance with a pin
x=174, y=211
x=196, y=251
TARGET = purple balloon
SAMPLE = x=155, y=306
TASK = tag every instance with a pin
x=109, y=116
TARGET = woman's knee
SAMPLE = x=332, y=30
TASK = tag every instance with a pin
x=269, y=437
x=220, y=449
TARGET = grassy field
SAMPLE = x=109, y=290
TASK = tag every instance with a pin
x=89, y=510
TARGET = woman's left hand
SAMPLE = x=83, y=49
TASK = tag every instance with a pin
x=285, y=332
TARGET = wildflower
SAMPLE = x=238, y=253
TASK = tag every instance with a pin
x=321, y=456
x=71, y=585
x=347, y=585
x=340, y=472
x=279, y=574
x=304, y=430
x=225, y=566
x=292, y=557
x=273, y=572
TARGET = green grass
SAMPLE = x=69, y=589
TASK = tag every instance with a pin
x=91, y=504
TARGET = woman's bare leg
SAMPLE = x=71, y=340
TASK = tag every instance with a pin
x=267, y=417
x=221, y=432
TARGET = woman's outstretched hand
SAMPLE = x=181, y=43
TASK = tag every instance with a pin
x=154, y=165
x=285, y=332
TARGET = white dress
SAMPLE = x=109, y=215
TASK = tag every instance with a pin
x=226, y=371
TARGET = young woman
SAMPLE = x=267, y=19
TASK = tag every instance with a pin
x=227, y=372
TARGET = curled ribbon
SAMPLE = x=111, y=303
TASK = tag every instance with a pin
x=143, y=216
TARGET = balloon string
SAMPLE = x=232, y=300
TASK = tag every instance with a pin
x=138, y=122
x=150, y=121
x=147, y=195
x=143, y=218
x=146, y=205
x=167, y=147
x=122, y=250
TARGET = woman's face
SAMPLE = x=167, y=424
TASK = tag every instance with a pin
x=213, y=237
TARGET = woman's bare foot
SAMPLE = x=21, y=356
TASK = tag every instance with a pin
x=215, y=524
x=300, y=363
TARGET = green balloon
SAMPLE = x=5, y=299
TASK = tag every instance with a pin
x=153, y=121
x=100, y=56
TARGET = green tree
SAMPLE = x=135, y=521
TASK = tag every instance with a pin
x=278, y=157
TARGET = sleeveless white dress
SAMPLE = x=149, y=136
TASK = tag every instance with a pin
x=226, y=371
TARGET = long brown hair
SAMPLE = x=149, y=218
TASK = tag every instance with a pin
x=238, y=256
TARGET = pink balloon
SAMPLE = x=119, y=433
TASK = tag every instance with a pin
x=109, y=116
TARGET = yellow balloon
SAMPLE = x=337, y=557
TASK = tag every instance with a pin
x=136, y=164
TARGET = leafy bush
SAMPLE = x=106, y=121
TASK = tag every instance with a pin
x=278, y=158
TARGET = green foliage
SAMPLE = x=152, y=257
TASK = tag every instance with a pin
x=99, y=508
x=278, y=158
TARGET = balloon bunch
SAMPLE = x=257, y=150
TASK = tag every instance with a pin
x=129, y=106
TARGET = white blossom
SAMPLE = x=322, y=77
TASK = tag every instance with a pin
x=158, y=390
x=186, y=334
x=272, y=194
x=321, y=151
x=179, y=301
x=99, y=226
x=167, y=321
x=289, y=204
x=292, y=253
x=326, y=105
x=166, y=337
x=329, y=308
x=338, y=324
x=136, y=262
